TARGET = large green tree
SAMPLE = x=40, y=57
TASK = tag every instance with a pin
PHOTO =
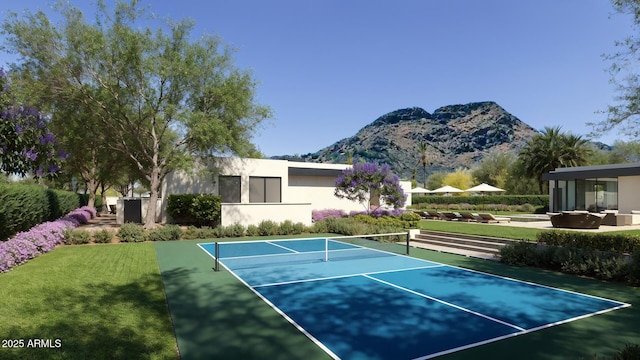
x=553, y=149
x=423, y=155
x=159, y=97
x=625, y=113
x=494, y=168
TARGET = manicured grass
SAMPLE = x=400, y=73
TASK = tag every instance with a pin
x=100, y=301
x=508, y=232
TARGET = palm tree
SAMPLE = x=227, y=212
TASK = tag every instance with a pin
x=424, y=159
x=553, y=149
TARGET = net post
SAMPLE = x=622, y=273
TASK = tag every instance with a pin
x=326, y=249
x=408, y=239
x=217, y=264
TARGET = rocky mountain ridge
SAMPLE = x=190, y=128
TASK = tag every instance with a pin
x=456, y=136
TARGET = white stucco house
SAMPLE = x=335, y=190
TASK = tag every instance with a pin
x=253, y=190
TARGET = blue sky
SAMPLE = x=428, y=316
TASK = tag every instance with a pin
x=329, y=67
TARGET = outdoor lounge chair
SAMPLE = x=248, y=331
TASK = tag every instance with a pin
x=489, y=218
x=469, y=217
x=448, y=215
x=433, y=215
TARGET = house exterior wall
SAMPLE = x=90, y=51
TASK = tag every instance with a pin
x=300, y=194
x=318, y=190
x=628, y=194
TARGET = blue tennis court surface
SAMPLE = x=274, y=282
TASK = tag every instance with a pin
x=361, y=303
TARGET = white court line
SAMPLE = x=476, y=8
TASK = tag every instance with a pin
x=446, y=303
x=468, y=346
x=283, y=247
x=345, y=276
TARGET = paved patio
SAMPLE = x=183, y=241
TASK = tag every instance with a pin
x=546, y=224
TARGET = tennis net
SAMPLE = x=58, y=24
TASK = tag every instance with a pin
x=251, y=254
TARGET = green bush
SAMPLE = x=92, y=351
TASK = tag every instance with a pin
x=410, y=216
x=130, y=232
x=167, y=232
x=299, y=228
x=595, y=241
x=61, y=203
x=267, y=227
x=252, y=230
x=527, y=208
x=521, y=253
x=103, y=236
x=179, y=208
x=629, y=352
x=21, y=208
x=200, y=209
x=206, y=210
x=534, y=200
x=234, y=230
x=286, y=228
x=194, y=232
x=77, y=237
x=320, y=227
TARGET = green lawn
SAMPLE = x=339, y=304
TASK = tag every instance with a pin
x=108, y=302
x=508, y=232
x=100, y=301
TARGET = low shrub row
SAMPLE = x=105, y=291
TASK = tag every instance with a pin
x=575, y=260
x=41, y=238
x=535, y=200
x=25, y=206
x=319, y=215
x=623, y=243
x=525, y=208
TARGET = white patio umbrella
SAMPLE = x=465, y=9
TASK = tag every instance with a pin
x=447, y=190
x=419, y=190
x=484, y=188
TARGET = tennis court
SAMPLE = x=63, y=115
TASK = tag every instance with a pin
x=358, y=298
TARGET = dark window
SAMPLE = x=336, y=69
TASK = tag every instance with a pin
x=229, y=189
x=264, y=189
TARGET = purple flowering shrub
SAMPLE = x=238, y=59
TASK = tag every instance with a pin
x=319, y=215
x=41, y=238
x=359, y=182
x=378, y=212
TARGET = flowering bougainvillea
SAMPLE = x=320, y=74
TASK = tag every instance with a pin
x=41, y=238
x=363, y=181
x=26, y=146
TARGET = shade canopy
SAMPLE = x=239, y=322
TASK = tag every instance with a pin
x=447, y=190
x=419, y=190
x=482, y=188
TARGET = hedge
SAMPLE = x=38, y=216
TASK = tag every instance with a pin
x=535, y=200
x=198, y=209
x=25, y=206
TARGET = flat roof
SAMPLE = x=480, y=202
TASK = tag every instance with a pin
x=596, y=171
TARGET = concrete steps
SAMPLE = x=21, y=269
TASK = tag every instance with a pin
x=468, y=245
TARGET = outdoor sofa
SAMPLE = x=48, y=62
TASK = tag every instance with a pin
x=576, y=219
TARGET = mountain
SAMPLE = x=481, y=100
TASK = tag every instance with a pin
x=456, y=136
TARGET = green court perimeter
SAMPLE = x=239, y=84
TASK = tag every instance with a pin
x=216, y=316
x=107, y=302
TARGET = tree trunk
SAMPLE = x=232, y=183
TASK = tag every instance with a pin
x=154, y=181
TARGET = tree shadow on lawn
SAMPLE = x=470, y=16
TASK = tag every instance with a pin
x=101, y=321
